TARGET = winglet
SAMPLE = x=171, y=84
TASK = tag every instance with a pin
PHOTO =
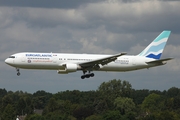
x=155, y=49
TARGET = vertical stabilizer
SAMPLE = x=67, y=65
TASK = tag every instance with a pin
x=154, y=49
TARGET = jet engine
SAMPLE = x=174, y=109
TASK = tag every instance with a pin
x=68, y=67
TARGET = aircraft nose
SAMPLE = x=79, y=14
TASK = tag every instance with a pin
x=8, y=61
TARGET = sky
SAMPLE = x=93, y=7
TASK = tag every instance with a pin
x=87, y=26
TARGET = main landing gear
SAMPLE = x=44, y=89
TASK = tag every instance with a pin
x=18, y=71
x=87, y=75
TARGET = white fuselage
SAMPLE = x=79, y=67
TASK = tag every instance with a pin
x=54, y=61
x=66, y=63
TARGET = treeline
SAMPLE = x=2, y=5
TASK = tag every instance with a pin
x=113, y=100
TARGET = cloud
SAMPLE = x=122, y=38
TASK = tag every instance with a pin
x=128, y=17
x=63, y=4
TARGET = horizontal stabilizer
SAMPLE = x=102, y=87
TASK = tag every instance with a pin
x=160, y=61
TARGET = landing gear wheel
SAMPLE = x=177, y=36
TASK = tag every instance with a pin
x=83, y=76
x=18, y=73
x=92, y=74
x=87, y=75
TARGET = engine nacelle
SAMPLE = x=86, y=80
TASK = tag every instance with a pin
x=69, y=67
x=97, y=67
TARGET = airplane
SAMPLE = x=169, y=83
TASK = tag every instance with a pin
x=66, y=63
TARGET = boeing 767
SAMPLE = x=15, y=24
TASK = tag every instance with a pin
x=66, y=63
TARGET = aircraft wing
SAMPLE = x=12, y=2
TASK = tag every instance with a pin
x=160, y=61
x=103, y=61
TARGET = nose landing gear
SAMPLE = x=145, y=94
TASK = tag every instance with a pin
x=18, y=71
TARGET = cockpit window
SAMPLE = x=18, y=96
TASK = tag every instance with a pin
x=11, y=56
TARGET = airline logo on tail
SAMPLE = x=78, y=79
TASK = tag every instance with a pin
x=155, y=49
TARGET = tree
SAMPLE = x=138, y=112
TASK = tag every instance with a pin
x=7, y=99
x=35, y=117
x=173, y=92
x=39, y=102
x=82, y=112
x=21, y=105
x=8, y=113
x=29, y=106
x=176, y=103
x=56, y=116
x=124, y=105
x=94, y=117
x=130, y=116
x=100, y=106
x=112, y=115
x=139, y=95
x=40, y=99
x=164, y=115
x=3, y=92
x=151, y=102
x=52, y=105
x=115, y=88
